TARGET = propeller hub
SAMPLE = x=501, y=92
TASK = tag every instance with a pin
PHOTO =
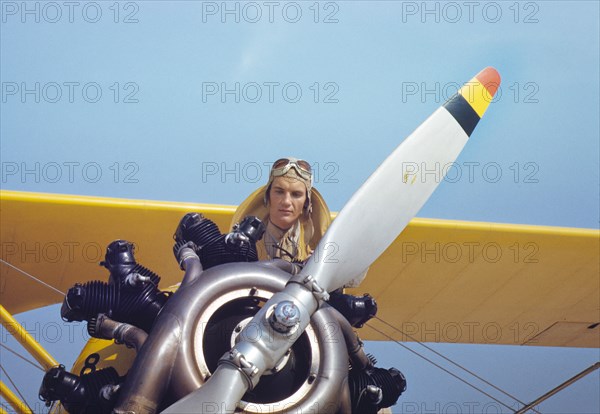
x=285, y=317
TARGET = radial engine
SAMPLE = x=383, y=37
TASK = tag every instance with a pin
x=179, y=338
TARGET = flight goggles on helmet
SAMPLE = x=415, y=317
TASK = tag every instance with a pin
x=283, y=165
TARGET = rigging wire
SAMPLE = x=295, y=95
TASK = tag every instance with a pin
x=22, y=357
x=442, y=368
x=33, y=277
x=454, y=363
x=16, y=388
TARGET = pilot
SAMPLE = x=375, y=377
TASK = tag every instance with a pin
x=294, y=212
x=296, y=218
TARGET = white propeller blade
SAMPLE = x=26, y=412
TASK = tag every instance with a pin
x=375, y=215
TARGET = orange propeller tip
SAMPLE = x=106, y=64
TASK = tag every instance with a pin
x=490, y=79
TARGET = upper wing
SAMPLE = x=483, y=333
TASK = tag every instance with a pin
x=62, y=238
x=440, y=281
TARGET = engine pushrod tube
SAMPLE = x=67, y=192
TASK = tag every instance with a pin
x=139, y=394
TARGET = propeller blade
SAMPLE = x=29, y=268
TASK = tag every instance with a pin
x=382, y=207
x=375, y=215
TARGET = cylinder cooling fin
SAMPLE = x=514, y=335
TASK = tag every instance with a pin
x=91, y=393
x=212, y=246
x=375, y=388
x=131, y=294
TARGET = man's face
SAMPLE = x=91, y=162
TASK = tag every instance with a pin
x=286, y=200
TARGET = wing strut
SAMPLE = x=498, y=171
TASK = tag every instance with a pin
x=14, y=401
x=24, y=338
x=35, y=350
x=559, y=388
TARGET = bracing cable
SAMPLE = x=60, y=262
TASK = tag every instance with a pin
x=454, y=363
x=32, y=277
x=440, y=367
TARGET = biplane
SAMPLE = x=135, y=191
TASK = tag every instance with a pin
x=482, y=282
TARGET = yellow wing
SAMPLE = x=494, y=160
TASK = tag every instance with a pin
x=489, y=283
x=440, y=281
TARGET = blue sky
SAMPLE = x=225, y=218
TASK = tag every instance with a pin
x=128, y=99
